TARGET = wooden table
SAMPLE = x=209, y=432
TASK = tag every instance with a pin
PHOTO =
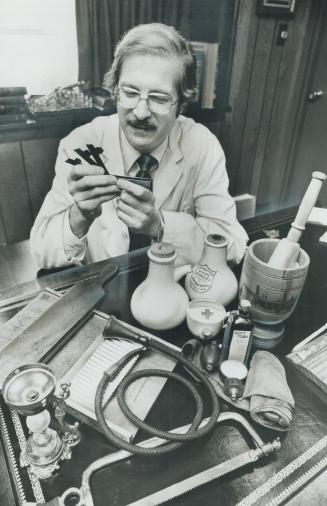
x=130, y=480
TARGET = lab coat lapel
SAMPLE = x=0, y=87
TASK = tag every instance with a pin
x=111, y=147
x=169, y=171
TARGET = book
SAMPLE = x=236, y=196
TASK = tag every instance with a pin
x=207, y=56
x=10, y=91
x=210, y=77
x=200, y=55
x=13, y=99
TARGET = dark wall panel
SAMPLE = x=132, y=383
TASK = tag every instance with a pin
x=40, y=157
x=14, y=197
x=3, y=238
x=267, y=98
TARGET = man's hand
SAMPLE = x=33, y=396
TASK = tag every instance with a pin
x=90, y=187
x=135, y=208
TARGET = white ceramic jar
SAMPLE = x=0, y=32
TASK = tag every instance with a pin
x=160, y=302
x=212, y=278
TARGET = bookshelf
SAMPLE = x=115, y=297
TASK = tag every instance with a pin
x=207, y=64
x=211, y=34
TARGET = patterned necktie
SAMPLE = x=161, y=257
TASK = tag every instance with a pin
x=146, y=163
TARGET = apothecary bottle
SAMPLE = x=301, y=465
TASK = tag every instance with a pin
x=241, y=340
x=212, y=278
x=160, y=302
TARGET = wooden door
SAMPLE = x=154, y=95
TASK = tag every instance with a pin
x=268, y=101
x=311, y=148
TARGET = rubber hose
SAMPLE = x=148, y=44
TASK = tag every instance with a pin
x=117, y=441
x=170, y=436
x=163, y=348
x=191, y=434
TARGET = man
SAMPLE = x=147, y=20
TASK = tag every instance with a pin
x=90, y=213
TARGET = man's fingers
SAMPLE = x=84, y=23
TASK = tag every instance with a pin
x=136, y=190
x=91, y=181
x=92, y=187
x=92, y=204
x=133, y=221
x=136, y=202
x=90, y=191
x=144, y=209
x=110, y=191
x=82, y=170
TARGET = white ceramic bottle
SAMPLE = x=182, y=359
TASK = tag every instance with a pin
x=212, y=278
x=160, y=302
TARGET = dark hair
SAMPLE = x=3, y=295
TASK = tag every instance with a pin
x=159, y=40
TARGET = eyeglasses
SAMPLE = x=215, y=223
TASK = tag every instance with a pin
x=159, y=103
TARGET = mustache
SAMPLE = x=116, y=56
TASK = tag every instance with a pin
x=146, y=125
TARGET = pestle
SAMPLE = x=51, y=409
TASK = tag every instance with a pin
x=287, y=250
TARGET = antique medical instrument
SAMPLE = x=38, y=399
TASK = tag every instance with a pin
x=30, y=390
x=104, y=354
x=273, y=292
x=114, y=328
x=205, y=318
x=234, y=363
x=36, y=343
x=83, y=495
x=274, y=272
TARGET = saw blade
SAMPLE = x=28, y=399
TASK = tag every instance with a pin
x=59, y=321
x=22, y=300
x=197, y=480
x=284, y=473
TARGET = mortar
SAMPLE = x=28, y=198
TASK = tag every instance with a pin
x=273, y=292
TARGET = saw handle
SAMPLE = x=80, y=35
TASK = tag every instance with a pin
x=307, y=203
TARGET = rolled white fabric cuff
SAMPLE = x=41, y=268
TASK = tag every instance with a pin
x=74, y=247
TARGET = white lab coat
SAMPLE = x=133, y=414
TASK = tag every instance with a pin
x=190, y=188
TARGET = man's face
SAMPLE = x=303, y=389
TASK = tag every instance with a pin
x=144, y=129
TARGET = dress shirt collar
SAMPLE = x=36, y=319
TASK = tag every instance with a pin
x=130, y=154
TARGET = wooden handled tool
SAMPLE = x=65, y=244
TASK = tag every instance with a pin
x=287, y=250
x=56, y=324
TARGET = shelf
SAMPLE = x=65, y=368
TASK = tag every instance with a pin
x=45, y=124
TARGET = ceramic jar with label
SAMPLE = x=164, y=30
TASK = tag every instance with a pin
x=160, y=302
x=212, y=278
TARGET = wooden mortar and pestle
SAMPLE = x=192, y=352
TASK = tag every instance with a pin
x=287, y=250
x=274, y=273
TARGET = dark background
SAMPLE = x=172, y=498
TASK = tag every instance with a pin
x=272, y=135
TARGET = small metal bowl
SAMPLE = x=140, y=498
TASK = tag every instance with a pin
x=28, y=388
